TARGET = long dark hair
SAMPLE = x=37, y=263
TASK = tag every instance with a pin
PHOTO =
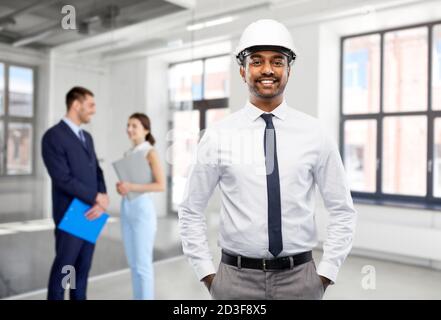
x=145, y=121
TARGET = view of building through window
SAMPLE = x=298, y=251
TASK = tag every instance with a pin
x=362, y=75
x=436, y=70
x=16, y=120
x=21, y=92
x=185, y=138
x=386, y=112
x=361, y=154
x=2, y=89
x=19, y=156
x=185, y=81
x=199, y=93
x=404, y=155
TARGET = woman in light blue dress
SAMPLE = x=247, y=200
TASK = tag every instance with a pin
x=138, y=216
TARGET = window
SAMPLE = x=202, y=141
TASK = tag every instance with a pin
x=404, y=155
x=391, y=113
x=216, y=78
x=405, y=70
x=437, y=159
x=2, y=89
x=360, y=154
x=185, y=81
x=21, y=95
x=361, y=75
x=436, y=74
x=198, y=93
x=16, y=120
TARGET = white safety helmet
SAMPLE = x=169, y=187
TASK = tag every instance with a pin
x=265, y=34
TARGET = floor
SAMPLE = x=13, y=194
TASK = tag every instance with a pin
x=27, y=251
x=359, y=278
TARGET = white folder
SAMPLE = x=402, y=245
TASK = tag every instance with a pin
x=133, y=168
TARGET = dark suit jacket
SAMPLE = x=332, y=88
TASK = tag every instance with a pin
x=73, y=168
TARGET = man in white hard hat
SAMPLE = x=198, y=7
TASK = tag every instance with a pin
x=267, y=225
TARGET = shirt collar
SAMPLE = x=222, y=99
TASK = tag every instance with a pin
x=140, y=146
x=75, y=128
x=254, y=112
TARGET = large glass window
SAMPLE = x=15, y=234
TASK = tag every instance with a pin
x=361, y=75
x=16, y=119
x=405, y=70
x=360, y=154
x=2, y=89
x=199, y=93
x=437, y=159
x=19, y=156
x=2, y=146
x=436, y=68
x=21, y=92
x=185, y=81
x=391, y=111
x=185, y=139
x=404, y=155
x=217, y=78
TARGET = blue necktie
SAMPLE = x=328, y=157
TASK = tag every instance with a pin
x=83, y=138
x=273, y=187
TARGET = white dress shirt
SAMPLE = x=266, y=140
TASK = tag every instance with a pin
x=231, y=156
x=143, y=147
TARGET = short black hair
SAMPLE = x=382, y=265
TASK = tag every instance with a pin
x=76, y=93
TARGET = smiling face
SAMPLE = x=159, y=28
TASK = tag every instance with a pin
x=266, y=74
x=136, y=131
x=82, y=110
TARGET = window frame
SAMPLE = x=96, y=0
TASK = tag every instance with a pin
x=379, y=197
x=6, y=119
x=202, y=105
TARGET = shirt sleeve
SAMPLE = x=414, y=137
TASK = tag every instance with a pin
x=330, y=177
x=202, y=180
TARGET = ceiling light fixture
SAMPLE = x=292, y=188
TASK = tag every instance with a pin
x=209, y=23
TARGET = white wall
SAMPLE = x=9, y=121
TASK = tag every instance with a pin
x=126, y=94
x=137, y=85
x=66, y=74
x=238, y=88
x=158, y=111
x=301, y=91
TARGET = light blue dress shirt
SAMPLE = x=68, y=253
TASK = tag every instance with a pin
x=75, y=128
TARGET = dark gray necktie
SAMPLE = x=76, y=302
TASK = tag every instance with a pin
x=273, y=187
x=83, y=138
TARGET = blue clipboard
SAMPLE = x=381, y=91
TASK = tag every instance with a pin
x=76, y=223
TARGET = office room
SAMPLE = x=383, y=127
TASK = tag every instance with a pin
x=159, y=76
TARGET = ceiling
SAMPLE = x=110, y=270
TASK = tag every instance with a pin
x=37, y=23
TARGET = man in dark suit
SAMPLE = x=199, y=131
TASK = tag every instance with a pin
x=71, y=162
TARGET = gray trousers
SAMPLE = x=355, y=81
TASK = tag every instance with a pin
x=301, y=282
